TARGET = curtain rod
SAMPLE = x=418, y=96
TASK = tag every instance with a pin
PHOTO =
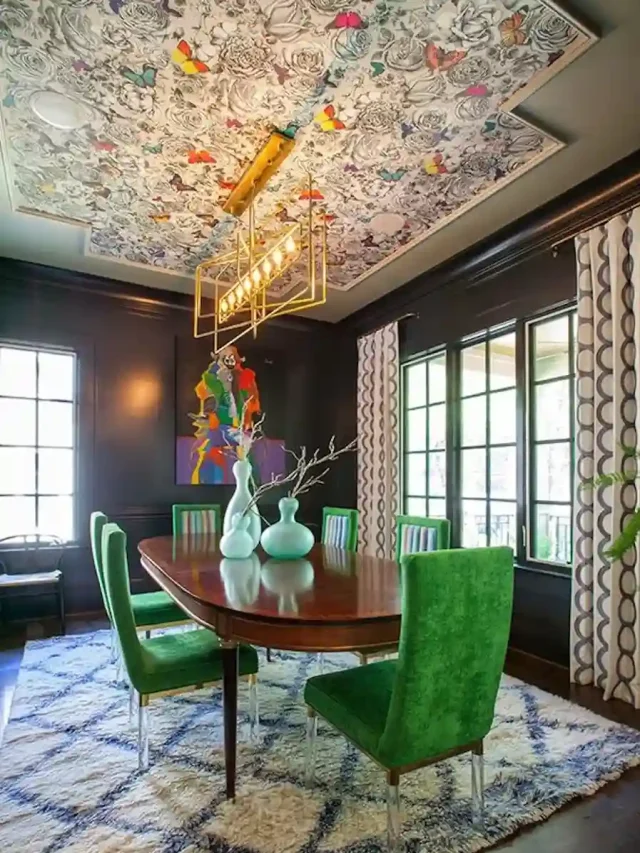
x=406, y=316
x=602, y=221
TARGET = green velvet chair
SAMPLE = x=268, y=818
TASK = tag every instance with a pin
x=438, y=698
x=151, y=610
x=340, y=527
x=189, y=519
x=417, y=534
x=169, y=663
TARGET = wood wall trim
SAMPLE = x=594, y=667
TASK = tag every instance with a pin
x=596, y=200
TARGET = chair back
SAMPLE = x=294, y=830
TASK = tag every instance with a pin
x=340, y=527
x=456, y=616
x=116, y=577
x=417, y=534
x=191, y=519
x=97, y=522
x=30, y=553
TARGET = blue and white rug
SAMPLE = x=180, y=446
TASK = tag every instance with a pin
x=69, y=780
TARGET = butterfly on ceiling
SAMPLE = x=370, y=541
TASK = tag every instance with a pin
x=233, y=122
x=477, y=91
x=387, y=175
x=368, y=242
x=152, y=148
x=377, y=68
x=440, y=59
x=196, y=156
x=283, y=74
x=435, y=165
x=313, y=195
x=103, y=145
x=346, y=21
x=209, y=219
x=160, y=217
x=332, y=77
x=178, y=185
x=145, y=78
x=351, y=167
x=283, y=215
x=511, y=30
x=80, y=65
x=327, y=119
x=406, y=129
x=226, y=185
x=183, y=56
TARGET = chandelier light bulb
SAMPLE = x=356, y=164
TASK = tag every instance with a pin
x=290, y=245
x=223, y=306
x=277, y=257
x=266, y=267
x=232, y=298
x=247, y=284
x=239, y=293
x=255, y=275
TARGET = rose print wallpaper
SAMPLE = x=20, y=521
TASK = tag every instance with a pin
x=136, y=117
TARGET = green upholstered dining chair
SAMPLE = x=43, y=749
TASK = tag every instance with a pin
x=340, y=527
x=438, y=698
x=151, y=610
x=169, y=663
x=189, y=519
x=417, y=534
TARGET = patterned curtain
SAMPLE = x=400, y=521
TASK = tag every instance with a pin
x=605, y=621
x=378, y=439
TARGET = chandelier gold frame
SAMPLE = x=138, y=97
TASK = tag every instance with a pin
x=232, y=289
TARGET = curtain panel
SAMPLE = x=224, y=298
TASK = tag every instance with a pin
x=378, y=441
x=605, y=620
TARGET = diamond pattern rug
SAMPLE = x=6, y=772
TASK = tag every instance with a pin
x=69, y=780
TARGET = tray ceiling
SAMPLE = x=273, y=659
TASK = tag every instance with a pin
x=401, y=110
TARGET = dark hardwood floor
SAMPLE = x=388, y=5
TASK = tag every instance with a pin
x=608, y=822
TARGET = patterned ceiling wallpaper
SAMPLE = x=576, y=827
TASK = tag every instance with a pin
x=395, y=108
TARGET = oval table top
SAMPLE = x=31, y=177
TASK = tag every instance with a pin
x=331, y=600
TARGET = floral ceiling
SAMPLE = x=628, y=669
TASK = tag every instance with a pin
x=401, y=110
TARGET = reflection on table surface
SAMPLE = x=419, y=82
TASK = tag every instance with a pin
x=330, y=583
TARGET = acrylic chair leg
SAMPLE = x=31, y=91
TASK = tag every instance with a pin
x=143, y=733
x=477, y=785
x=254, y=716
x=133, y=704
x=310, y=757
x=115, y=652
x=320, y=662
x=393, y=812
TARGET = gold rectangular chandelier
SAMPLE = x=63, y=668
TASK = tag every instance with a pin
x=232, y=290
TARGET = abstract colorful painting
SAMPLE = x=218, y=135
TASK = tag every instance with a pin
x=228, y=404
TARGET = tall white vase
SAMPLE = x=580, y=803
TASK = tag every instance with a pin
x=238, y=503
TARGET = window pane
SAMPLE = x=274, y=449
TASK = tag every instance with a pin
x=502, y=409
x=474, y=524
x=17, y=470
x=474, y=421
x=17, y=421
x=437, y=427
x=503, y=523
x=437, y=508
x=416, y=385
x=437, y=380
x=55, y=376
x=552, y=467
x=17, y=372
x=55, y=516
x=417, y=430
x=416, y=474
x=552, y=533
x=503, y=473
x=551, y=348
x=473, y=370
x=17, y=516
x=502, y=361
x=55, y=472
x=415, y=506
x=55, y=424
x=474, y=473
x=437, y=474
x=551, y=413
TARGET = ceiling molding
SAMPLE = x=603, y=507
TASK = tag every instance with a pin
x=596, y=200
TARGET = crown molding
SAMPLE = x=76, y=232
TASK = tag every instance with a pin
x=610, y=192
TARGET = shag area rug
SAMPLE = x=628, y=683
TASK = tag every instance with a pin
x=69, y=780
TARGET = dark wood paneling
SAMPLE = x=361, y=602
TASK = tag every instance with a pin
x=128, y=340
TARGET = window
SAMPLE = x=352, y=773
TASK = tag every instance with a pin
x=37, y=441
x=491, y=419
x=425, y=432
x=551, y=375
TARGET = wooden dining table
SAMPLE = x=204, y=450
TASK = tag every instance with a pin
x=331, y=601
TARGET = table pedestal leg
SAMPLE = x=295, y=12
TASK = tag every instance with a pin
x=230, y=705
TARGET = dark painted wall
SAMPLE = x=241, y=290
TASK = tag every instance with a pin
x=128, y=349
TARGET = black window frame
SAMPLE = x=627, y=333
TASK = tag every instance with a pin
x=48, y=349
x=524, y=430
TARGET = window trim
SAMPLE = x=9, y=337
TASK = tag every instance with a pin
x=524, y=445
x=51, y=349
